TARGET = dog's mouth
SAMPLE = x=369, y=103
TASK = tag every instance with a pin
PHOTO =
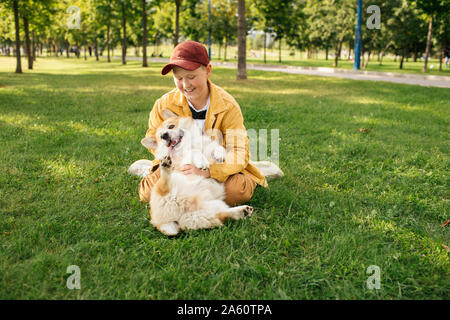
x=173, y=143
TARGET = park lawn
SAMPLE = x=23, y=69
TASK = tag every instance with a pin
x=350, y=198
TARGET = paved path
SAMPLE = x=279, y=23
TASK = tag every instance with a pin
x=412, y=79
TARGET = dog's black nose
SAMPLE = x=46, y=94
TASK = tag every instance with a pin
x=165, y=136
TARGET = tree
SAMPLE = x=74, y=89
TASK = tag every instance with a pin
x=332, y=22
x=144, y=34
x=16, y=22
x=404, y=21
x=432, y=9
x=177, y=22
x=280, y=16
x=242, y=36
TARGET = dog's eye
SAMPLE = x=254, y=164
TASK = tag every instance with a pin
x=171, y=126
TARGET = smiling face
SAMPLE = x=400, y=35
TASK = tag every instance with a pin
x=193, y=84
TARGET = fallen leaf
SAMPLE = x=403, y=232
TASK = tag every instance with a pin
x=96, y=180
x=445, y=247
x=446, y=223
x=6, y=233
x=364, y=130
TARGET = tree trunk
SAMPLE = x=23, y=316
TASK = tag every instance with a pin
x=226, y=46
x=384, y=52
x=363, y=56
x=144, y=34
x=442, y=56
x=326, y=53
x=242, y=50
x=401, y=61
x=108, y=38
x=124, y=37
x=177, y=22
x=368, y=59
x=427, y=51
x=27, y=42
x=68, y=49
x=279, y=51
x=33, y=46
x=265, y=46
x=338, y=52
x=415, y=53
x=96, y=48
x=16, y=22
x=78, y=50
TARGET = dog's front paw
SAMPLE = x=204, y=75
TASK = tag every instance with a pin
x=199, y=161
x=219, y=154
x=166, y=162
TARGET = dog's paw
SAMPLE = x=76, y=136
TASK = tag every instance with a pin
x=166, y=162
x=199, y=161
x=241, y=212
x=247, y=211
x=219, y=154
x=169, y=229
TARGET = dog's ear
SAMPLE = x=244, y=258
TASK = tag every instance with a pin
x=166, y=114
x=149, y=142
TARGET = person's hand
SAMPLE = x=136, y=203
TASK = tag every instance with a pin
x=190, y=169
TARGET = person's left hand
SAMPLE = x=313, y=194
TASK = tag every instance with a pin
x=190, y=169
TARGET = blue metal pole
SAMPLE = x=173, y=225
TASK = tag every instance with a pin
x=358, y=38
x=209, y=29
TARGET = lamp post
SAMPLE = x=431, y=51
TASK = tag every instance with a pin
x=358, y=38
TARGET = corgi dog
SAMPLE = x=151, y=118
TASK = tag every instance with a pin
x=180, y=201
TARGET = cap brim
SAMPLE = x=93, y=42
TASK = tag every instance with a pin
x=187, y=65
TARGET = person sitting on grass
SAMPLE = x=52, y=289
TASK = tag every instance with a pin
x=212, y=108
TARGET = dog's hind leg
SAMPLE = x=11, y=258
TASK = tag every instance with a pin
x=205, y=219
x=235, y=213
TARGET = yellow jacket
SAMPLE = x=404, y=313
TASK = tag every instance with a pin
x=223, y=114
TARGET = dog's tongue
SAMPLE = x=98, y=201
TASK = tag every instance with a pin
x=172, y=144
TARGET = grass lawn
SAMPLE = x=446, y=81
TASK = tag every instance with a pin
x=349, y=200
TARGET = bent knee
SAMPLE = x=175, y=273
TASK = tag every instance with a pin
x=146, y=185
x=238, y=189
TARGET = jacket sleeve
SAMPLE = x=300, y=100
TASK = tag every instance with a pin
x=154, y=121
x=235, y=141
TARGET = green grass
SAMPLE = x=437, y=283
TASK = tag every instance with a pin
x=70, y=129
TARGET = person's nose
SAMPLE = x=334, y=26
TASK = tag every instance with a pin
x=186, y=84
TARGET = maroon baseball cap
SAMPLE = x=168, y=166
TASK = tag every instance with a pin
x=188, y=55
